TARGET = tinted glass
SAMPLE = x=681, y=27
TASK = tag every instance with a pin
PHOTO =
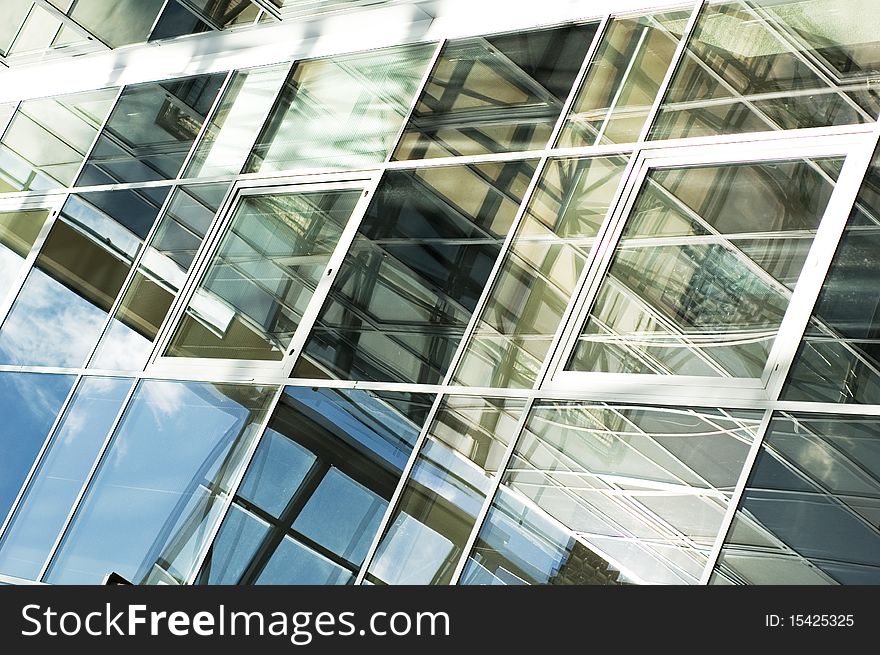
x=18, y=231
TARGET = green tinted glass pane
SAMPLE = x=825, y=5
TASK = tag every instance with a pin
x=774, y=65
x=18, y=231
x=623, y=79
x=341, y=112
x=262, y=278
x=682, y=297
x=117, y=22
x=539, y=275
x=495, y=94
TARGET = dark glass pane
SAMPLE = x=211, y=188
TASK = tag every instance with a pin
x=446, y=489
x=29, y=403
x=49, y=497
x=495, y=94
x=317, y=487
x=774, y=65
x=839, y=359
x=158, y=491
x=692, y=290
x=810, y=509
x=413, y=275
x=176, y=20
x=261, y=280
x=61, y=309
x=151, y=131
x=341, y=112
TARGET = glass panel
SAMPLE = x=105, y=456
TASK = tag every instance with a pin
x=341, y=112
x=151, y=131
x=495, y=94
x=412, y=277
x=623, y=79
x=682, y=297
x=445, y=491
x=29, y=403
x=261, y=279
x=781, y=65
x=14, y=11
x=317, y=487
x=37, y=33
x=810, y=510
x=61, y=309
x=117, y=22
x=176, y=20
x=48, y=138
x=521, y=544
x=540, y=273
x=18, y=231
x=234, y=126
x=158, y=491
x=63, y=469
x=226, y=12
x=644, y=488
x=128, y=341
x=839, y=358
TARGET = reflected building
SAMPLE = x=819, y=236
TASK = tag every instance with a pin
x=371, y=293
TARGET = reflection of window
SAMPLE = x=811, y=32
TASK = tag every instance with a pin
x=702, y=276
x=495, y=94
x=317, y=488
x=261, y=280
x=414, y=273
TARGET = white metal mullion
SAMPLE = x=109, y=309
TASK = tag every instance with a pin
x=677, y=58
x=398, y=490
x=234, y=484
x=737, y=495
x=48, y=440
x=88, y=479
x=494, y=483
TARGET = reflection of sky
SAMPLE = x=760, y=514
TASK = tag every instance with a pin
x=63, y=469
x=10, y=264
x=172, y=436
x=49, y=325
x=122, y=349
x=28, y=405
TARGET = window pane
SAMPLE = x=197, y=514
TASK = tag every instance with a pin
x=495, y=94
x=341, y=112
x=780, y=65
x=809, y=511
x=521, y=544
x=446, y=489
x=413, y=275
x=839, y=358
x=151, y=131
x=18, y=231
x=117, y=22
x=128, y=341
x=319, y=482
x=261, y=280
x=241, y=113
x=15, y=11
x=61, y=309
x=49, y=497
x=29, y=403
x=623, y=79
x=48, y=138
x=160, y=486
x=645, y=487
x=540, y=273
x=682, y=297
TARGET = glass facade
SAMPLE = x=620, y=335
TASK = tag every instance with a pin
x=585, y=303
